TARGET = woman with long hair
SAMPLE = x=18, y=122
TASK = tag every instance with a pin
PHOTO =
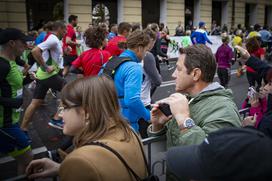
x=91, y=114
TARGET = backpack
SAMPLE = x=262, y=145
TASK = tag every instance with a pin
x=112, y=65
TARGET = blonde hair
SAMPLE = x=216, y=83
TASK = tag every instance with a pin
x=98, y=98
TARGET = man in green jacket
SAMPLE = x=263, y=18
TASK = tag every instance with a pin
x=207, y=107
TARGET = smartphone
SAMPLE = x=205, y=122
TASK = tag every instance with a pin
x=251, y=92
x=165, y=109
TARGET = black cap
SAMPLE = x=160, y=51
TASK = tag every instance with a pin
x=228, y=154
x=13, y=34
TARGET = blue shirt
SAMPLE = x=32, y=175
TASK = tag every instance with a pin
x=111, y=35
x=40, y=38
x=128, y=81
x=200, y=37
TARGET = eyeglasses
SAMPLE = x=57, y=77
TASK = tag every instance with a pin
x=61, y=109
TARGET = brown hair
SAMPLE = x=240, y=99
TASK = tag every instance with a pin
x=154, y=27
x=95, y=36
x=98, y=98
x=200, y=56
x=152, y=34
x=137, y=39
x=124, y=26
x=252, y=44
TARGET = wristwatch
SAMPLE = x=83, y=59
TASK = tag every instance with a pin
x=187, y=124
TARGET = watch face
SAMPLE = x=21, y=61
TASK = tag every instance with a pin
x=189, y=123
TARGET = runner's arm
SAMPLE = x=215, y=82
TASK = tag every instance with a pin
x=151, y=70
x=37, y=54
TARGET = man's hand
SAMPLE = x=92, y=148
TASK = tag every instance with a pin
x=249, y=121
x=42, y=168
x=158, y=119
x=49, y=69
x=243, y=52
x=179, y=107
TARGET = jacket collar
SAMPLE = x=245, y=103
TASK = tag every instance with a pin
x=130, y=54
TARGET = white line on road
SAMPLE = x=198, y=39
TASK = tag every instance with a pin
x=172, y=82
x=34, y=151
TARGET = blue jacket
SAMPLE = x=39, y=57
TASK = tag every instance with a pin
x=128, y=81
x=200, y=37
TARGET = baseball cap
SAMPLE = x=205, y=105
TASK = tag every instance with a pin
x=13, y=34
x=201, y=23
x=228, y=154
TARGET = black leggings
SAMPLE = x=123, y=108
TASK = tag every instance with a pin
x=252, y=78
x=223, y=75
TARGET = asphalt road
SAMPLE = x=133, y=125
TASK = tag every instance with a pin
x=45, y=137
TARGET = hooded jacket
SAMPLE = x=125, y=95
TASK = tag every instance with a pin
x=212, y=109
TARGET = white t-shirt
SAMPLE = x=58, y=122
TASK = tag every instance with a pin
x=53, y=44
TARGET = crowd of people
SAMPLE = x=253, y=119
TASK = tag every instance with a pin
x=108, y=109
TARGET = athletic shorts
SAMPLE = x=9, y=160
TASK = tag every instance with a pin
x=13, y=141
x=55, y=82
x=68, y=59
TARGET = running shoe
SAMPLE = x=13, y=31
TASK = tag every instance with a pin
x=56, y=123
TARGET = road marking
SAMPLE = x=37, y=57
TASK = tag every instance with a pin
x=34, y=151
x=172, y=82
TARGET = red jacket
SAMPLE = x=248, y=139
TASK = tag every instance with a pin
x=72, y=34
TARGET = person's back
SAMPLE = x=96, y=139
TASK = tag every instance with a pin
x=96, y=163
x=224, y=56
x=114, y=45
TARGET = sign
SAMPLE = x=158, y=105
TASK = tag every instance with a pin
x=177, y=42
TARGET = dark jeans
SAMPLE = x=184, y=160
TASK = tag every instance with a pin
x=224, y=76
x=252, y=78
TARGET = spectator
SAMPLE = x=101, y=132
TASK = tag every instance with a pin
x=92, y=114
x=179, y=29
x=200, y=35
x=118, y=44
x=229, y=154
x=69, y=44
x=151, y=77
x=257, y=104
x=210, y=107
x=264, y=72
x=136, y=26
x=224, y=58
x=93, y=59
x=113, y=32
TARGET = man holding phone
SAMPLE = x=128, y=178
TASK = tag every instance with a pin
x=209, y=107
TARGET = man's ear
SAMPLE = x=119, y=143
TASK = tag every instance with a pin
x=196, y=74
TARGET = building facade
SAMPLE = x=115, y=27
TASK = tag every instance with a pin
x=18, y=13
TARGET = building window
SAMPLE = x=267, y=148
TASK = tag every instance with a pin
x=104, y=11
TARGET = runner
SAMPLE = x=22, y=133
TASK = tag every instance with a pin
x=13, y=140
x=69, y=44
x=49, y=56
x=92, y=60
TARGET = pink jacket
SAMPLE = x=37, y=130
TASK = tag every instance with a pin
x=260, y=110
